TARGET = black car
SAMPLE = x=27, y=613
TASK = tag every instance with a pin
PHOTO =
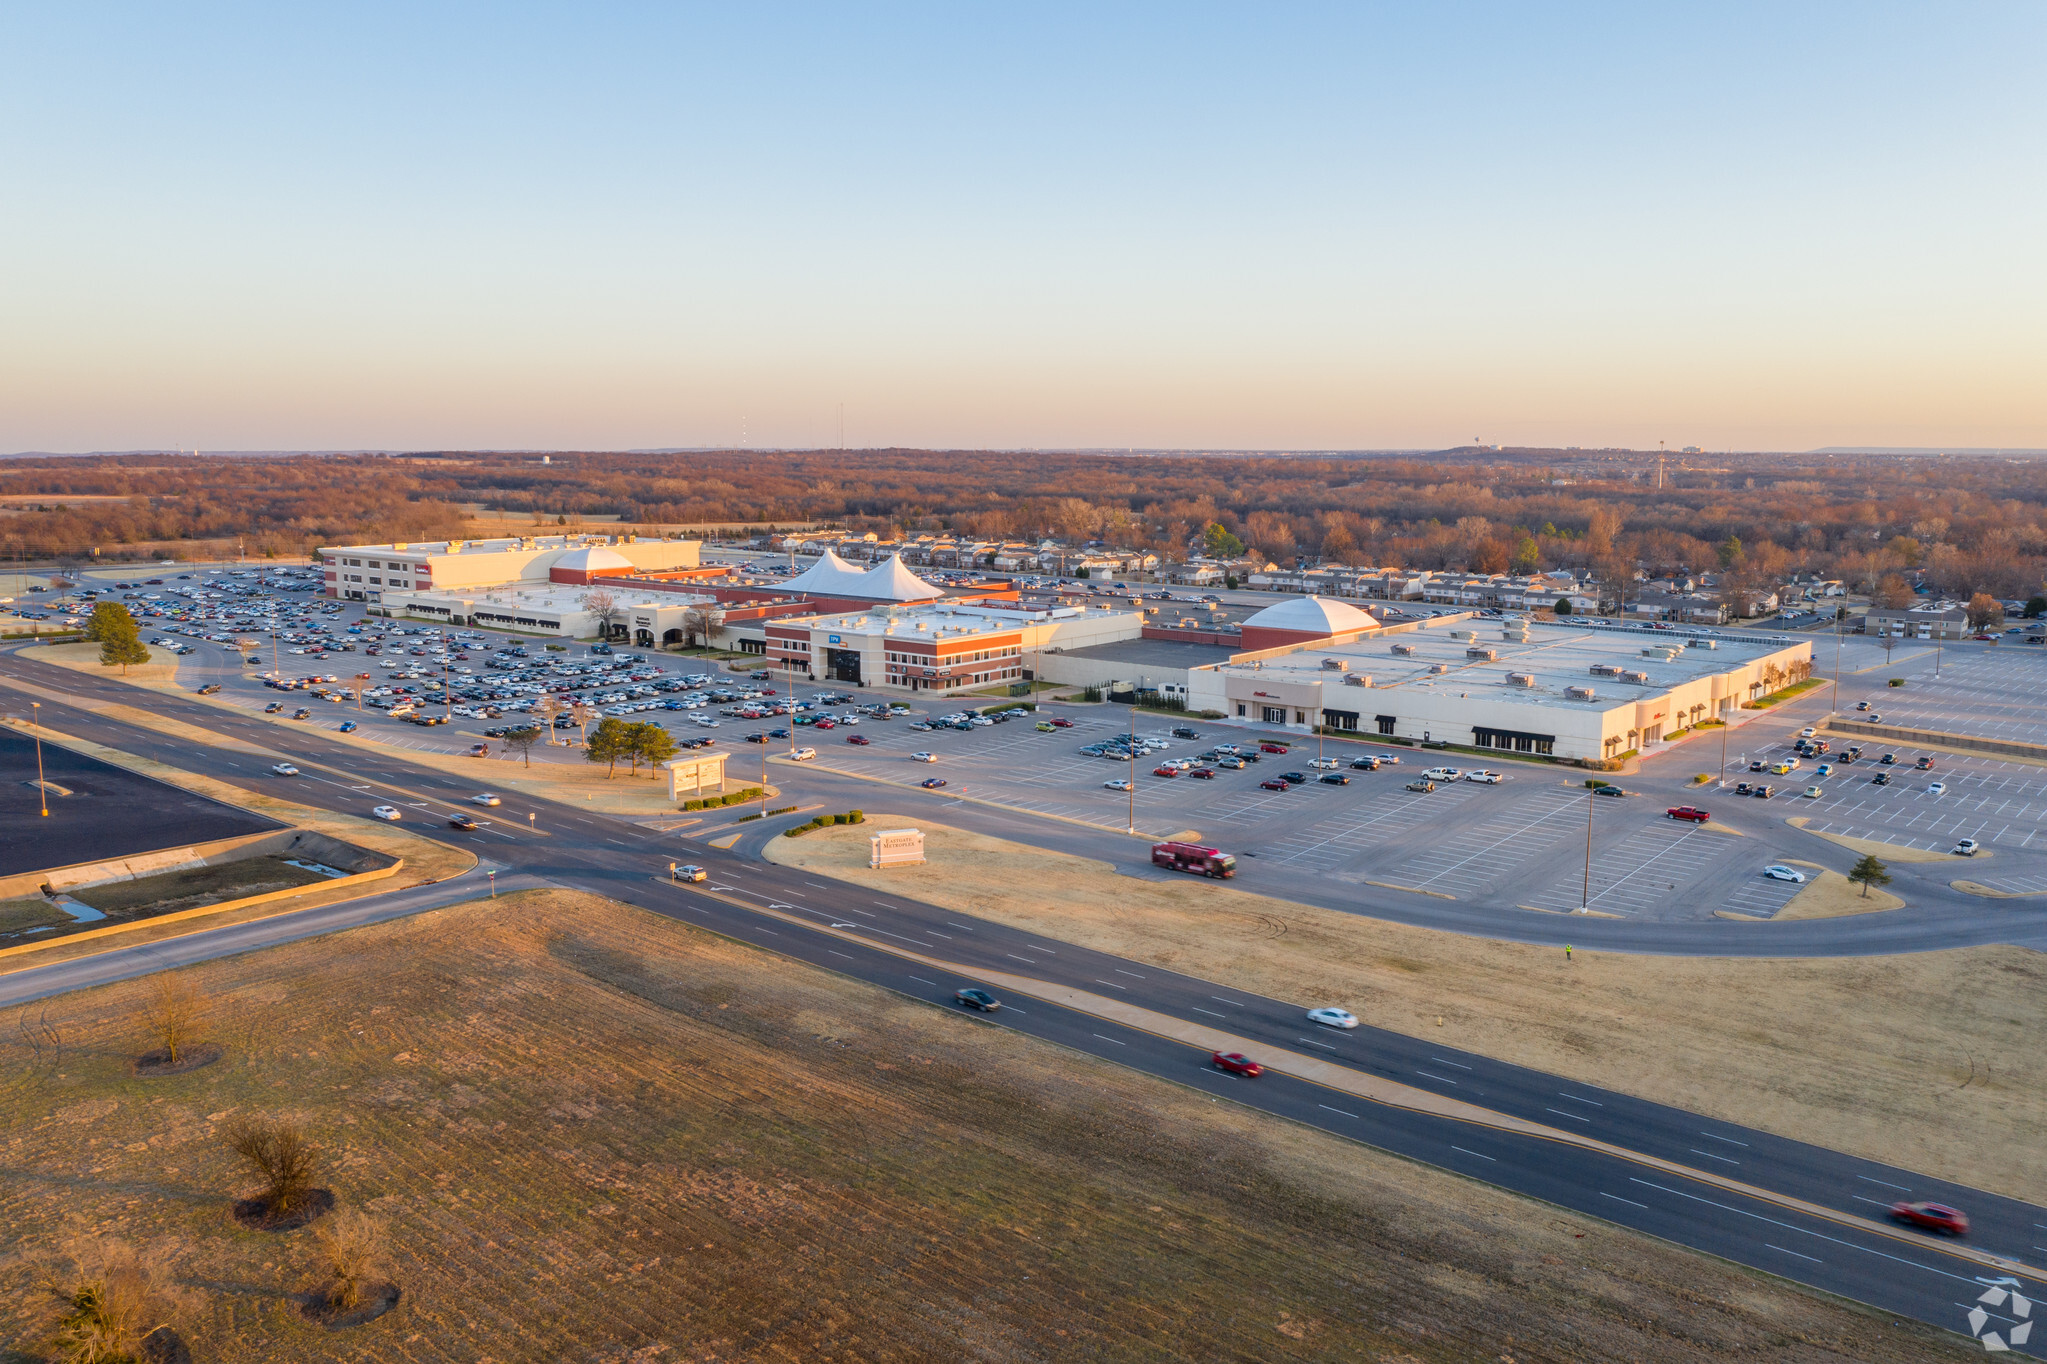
x=209, y=689
x=1764, y=792
x=1608, y=791
x=975, y=998
x=1185, y=732
x=1335, y=779
x=461, y=822
x=1887, y=759
x=1364, y=764
x=1742, y=788
x=1880, y=779
x=757, y=738
x=1758, y=766
x=1297, y=778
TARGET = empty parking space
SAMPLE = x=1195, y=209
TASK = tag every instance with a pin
x=1643, y=875
x=1497, y=846
x=1761, y=897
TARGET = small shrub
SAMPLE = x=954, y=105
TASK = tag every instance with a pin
x=743, y=818
x=1702, y=778
x=175, y=1013
x=856, y=817
x=277, y=1152
x=781, y=810
x=1897, y=682
x=692, y=805
x=351, y=1248
x=113, y=1299
x=797, y=832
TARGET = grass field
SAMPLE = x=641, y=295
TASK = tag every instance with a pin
x=160, y=670
x=597, y=1135
x=1923, y=1060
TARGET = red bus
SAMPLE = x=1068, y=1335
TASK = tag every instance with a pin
x=1193, y=857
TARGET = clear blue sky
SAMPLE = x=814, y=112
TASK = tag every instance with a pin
x=1769, y=226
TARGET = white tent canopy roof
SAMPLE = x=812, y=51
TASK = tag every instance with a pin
x=889, y=580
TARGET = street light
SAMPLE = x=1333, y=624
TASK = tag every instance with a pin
x=1133, y=769
x=42, y=791
x=1585, y=897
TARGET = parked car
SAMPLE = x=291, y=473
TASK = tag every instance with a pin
x=1443, y=774
x=1759, y=766
x=1324, y=764
x=1742, y=788
x=1393, y=758
x=1764, y=792
x=1297, y=778
x=973, y=997
x=1778, y=872
x=1333, y=1018
x=1880, y=779
x=273, y=708
x=1691, y=813
x=1272, y=748
x=1936, y=788
x=1925, y=763
x=1422, y=784
x=1887, y=759
x=1274, y=784
x=1364, y=764
x=932, y=783
x=1166, y=770
x=1059, y=723
x=1608, y=790
x=1120, y=784
x=1236, y=1063
x=1334, y=779
x=1231, y=761
x=1812, y=793
x=1934, y=1217
x=1485, y=778
x=1207, y=773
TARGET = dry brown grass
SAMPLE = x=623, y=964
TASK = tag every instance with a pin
x=1830, y=895
x=161, y=669
x=1920, y=1060
x=595, y=1135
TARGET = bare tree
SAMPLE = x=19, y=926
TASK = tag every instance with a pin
x=277, y=1152
x=582, y=713
x=114, y=1299
x=544, y=710
x=605, y=608
x=351, y=1247
x=699, y=623
x=174, y=1012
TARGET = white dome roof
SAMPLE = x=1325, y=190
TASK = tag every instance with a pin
x=591, y=558
x=1321, y=615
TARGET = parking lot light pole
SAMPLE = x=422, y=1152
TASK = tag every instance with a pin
x=1133, y=769
x=1591, y=803
x=42, y=791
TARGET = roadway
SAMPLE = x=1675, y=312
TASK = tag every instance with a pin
x=888, y=941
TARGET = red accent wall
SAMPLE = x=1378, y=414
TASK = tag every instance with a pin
x=1255, y=637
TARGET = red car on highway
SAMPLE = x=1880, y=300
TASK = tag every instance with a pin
x=1236, y=1063
x=1935, y=1217
x=1688, y=812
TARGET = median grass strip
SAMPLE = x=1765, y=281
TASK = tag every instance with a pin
x=1800, y=1047
x=594, y=1133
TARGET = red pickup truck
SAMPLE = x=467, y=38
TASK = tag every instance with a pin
x=1690, y=812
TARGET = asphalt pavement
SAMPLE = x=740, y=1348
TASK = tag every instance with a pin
x=562, y=845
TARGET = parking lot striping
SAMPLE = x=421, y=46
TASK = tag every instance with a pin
x=1800, y=1254
x=1629, y=1201
x=1729, y=1160
x=1480, y=1154
x=1577, y=1100
x=1461, y=858
x=1444, y=1078
x=1574, y=1117
x=1336, y=1110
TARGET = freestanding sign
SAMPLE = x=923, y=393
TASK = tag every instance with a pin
x=896, y=848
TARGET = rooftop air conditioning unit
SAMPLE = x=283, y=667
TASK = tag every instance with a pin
x=1520, y=679
x=1404, y=650
x=1642, y=678
x=1336, y=665
x=1436, y=668
x=1605, y=670
x=1358, y=680
x=1461, y=634
x=1580, y=693
x=1482, y=654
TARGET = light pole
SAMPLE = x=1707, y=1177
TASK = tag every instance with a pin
x=1133, y=769
x=42, y=791
x=1585, y=897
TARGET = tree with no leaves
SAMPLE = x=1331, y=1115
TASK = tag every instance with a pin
x=174, y=1012
x=351, y=1247
x=277, y=1152
x=1869, y=872
x=605, y=608
x=521, y=741
x=113, y=1300
x=582, y=713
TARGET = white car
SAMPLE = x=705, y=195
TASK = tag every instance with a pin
x=1778, y=872
x=389, y=812
x=1808, y=733
x=1387, y=757
x=803, y=755
x=1488, y=778
x=1120, y=784
x=486, y=798
x=1813, y=793
x=1443, y=774
x=284, y=769
x=923, y=757
x=1937, y=788
x=1325, y=764
x=1968, y=847
x=1334, y=1018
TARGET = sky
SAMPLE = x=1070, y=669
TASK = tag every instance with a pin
x=423, y=225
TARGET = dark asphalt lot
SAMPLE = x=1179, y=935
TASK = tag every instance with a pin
x=621, y=860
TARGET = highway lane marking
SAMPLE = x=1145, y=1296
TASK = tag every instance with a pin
x=1324, y=1045
x=1035, y=947
x=932, y=931
x=1780, y=1250
x=1210, y=1012
x=1729, y=1160
x=1879, y=1203
x=1336, y=1110
x=1575, y=1099
x=1121, y=972
x=1709, y=1136
x=1231, y=1002
x=1574, y=1117
x=921, y=981
x=835, y=952
x=1448, y=1063
x=1803, y=1231
x=1444, y=1078
x=1899, y=1187
x=814, y=885
x=1014, y=957
x=961, y=927
x=1480, y=1154
x=1629, y=1201
x=1112, y=984
x=1111, y=1039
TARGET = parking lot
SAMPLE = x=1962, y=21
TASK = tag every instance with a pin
x=1991, y=692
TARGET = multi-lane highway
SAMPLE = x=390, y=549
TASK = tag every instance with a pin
x=1782, y=1206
